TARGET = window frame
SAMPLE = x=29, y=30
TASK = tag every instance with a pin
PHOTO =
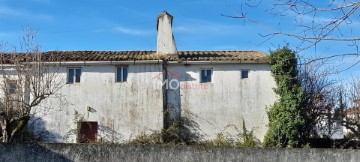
x=206, y=71
x=242, y=73
x=12, y=90
x=122, y=80
x=74, y=76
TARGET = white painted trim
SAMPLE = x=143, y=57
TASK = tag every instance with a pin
x=218, y=62
x=211, y=73
x=85, y=63
x=122, y=73
x=241, y=73
x=74, y=77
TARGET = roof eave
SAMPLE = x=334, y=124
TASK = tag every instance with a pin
x=86, y=63
x=222, y=62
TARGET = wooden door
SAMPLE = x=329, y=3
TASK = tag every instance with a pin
x=88, y=132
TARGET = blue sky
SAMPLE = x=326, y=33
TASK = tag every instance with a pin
x=123, y=25
x=131, y=25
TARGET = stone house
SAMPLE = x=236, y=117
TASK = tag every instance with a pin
x=114, y=96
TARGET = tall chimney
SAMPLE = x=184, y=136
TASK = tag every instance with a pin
x=165, y=37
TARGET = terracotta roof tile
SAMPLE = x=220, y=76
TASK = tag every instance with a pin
x=141, y=55
x=222, y=55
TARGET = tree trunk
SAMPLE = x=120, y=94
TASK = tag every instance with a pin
x=7, y=129
x=4, y=129
x=20, y=126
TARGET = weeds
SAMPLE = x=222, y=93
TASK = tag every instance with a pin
x=178, y=133
x=143, y=139
x=246, y=139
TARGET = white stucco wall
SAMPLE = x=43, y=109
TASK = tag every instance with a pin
x=165, y=39
x=222, y=105
x=123, y=110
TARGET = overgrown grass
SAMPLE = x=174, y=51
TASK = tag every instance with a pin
x=178, y=134
x=242, y=140
x=143, y=139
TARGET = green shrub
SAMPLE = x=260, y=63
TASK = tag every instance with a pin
x=286, y=118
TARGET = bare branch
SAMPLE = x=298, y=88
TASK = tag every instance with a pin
x=24, y=84
x=314, y=23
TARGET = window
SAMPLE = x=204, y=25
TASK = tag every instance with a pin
x=205, y=75
x=244, y=74
x=74, y=75
x=12, y=87
x=121, y=73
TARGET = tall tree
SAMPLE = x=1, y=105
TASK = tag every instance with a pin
x=350, y=118
x=321, y=96
x=286, y=119
x=25, y=81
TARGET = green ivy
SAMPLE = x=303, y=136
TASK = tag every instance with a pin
x=285, y=116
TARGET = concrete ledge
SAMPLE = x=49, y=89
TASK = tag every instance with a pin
x=112, y=152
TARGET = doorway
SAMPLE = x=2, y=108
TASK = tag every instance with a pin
x=87, y=132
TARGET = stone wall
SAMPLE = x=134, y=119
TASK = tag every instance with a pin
x=108, y=152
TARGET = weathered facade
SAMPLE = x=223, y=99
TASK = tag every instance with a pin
x=114, y=96
x=122, y=110
x=222, y=105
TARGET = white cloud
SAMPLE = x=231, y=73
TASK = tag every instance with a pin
x=202, y=26
x=135, y=32
x=323, y=18
x=2, y=34
x=181, y=29
x=7, y=11
x=37, y=1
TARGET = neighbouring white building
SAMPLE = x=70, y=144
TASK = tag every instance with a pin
x=114, y=96
x=352, y=118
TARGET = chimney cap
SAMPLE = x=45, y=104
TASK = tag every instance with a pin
x=161, y=15
x=164, y=13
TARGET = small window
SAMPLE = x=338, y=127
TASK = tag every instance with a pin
x=12, y=87
x=121, y=73
x=244, y=74
x=205, y=75
x=74, y=75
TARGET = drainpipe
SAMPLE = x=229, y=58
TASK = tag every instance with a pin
x=165, y=46
x=165, y=96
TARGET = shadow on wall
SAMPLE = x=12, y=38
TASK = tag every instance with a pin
x=185, y=77
x=108, y=135
x=104, y=135
x=184, y=131
x=36, y=132
x=191, y=130
x=29, y=152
